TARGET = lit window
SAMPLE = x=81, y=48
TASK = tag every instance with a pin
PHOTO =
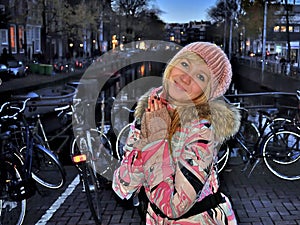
x=12, y=31
x=276, y=29
x=290, y=28
x=283, y=29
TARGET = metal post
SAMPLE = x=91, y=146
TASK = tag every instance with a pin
x=263, y=56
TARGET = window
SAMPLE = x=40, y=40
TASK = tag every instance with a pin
x=12, y=32
x=36, y=38
x=296, y=29
x=290, y=28
x=276, y=29
x=4, y=37
x=283, y=29
x=21, y=39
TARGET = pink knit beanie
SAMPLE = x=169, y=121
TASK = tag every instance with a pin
x=217, y=63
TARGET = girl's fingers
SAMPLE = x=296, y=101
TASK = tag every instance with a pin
x=154, y=103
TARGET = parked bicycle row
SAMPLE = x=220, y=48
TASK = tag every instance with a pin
x=26, y=147
x=268, y=132
x=24, y=162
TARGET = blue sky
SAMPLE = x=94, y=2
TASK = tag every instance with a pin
x=183, y=11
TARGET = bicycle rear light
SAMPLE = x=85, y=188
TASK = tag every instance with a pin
x=79, y=158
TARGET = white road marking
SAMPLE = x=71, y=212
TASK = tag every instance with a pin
x=59, y=201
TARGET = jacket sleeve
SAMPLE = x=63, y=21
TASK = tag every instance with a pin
x=176, y=194
x=129, y=177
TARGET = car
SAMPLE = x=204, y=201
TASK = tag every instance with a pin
x=5, y=73
x=18, y=68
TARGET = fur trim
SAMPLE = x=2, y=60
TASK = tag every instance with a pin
x=225, y=119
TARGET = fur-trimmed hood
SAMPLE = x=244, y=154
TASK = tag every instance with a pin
x=225, y=118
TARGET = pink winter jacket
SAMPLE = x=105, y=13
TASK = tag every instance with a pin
x=175, y=179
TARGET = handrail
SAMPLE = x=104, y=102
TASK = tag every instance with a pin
x=255, y=94
x=273, y=102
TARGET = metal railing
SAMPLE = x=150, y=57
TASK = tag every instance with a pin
x=272, y=66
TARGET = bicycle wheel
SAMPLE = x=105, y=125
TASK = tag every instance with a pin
x=12, y=211
x=101, y=157
x=223, y=156
x=92, y=190
x=121, y=141
x=281, y=153
x=45, y=167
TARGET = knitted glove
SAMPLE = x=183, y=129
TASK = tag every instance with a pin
x=154, y=126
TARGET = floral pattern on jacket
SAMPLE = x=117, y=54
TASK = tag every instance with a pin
x=174, y=182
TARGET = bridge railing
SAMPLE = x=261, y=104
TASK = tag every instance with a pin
x=272, y=66
x=285, y=102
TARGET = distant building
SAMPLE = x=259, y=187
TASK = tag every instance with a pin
x=183, y=33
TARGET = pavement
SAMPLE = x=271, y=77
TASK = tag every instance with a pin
x=261, y=199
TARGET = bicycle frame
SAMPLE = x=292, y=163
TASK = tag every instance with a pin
x=47, y=139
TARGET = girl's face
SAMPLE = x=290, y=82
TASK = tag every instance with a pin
x=188, y=80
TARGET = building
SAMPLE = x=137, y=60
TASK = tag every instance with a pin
x=21, y=36
x=284, y=29
x=183, y=33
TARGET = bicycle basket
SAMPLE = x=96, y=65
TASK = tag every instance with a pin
x=19, y=190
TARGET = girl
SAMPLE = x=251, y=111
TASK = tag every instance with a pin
x=172, y=148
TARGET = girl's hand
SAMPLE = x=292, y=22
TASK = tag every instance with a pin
x=154, y=103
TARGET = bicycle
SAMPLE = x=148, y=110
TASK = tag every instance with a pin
x=12, y=186
x=92, y=154
x=281, y=150
x=21, y=166
x=270, y=141
x=39, y=162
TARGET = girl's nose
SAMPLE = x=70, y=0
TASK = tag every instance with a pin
x=185, y=78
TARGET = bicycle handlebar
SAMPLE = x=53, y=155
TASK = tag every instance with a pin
x=20, y=110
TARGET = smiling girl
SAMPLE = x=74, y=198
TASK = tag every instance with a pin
x=172, y=148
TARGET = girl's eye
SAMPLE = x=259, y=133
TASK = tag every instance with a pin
x=201, y=77
x=184, y=64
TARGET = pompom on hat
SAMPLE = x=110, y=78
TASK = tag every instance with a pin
x=217, y=62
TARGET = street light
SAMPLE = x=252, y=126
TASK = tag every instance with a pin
x=264, y=36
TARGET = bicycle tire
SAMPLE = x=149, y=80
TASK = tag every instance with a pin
x=223, y=155
x=92, y=191
x=46, y=169
x=281, y=154
x=103, y=157
x=121, y=141
x=12, y=211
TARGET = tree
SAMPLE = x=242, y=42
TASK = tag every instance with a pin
x=137, y=19
x=224, y=13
